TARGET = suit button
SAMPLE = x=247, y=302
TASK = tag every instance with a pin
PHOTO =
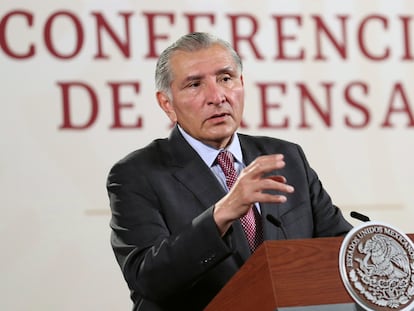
x=208, y=259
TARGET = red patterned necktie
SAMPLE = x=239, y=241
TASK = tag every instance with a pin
x=251, y=222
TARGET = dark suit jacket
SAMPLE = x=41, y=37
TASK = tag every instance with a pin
x=163, y=233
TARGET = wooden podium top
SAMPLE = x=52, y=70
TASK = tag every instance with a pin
x=286, y=273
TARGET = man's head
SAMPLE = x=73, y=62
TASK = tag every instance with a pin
x=200, y=86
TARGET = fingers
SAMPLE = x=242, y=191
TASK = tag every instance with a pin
x=255, y=182
x=265, y=164
x=276, y=183
x=253, y=185
x=278, y=178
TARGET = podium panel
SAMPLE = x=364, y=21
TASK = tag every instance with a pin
x=287, y=273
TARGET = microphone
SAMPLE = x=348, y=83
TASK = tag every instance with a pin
x=360, y=217
x=272, y=219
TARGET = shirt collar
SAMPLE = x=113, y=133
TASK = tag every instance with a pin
x=208, y=153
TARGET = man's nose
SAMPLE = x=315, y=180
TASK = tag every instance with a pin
x=215, y=94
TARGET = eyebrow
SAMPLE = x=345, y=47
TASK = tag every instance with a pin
x=193, y=78
x=227, y=69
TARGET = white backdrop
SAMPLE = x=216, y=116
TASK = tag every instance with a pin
x=334, y=76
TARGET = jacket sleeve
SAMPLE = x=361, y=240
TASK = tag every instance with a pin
x=156, y=263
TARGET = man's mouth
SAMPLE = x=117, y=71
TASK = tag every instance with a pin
x=219, y=115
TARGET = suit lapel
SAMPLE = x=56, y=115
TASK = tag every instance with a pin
x=192, y=172
x=199, y=179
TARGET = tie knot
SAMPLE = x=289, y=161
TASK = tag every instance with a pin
x=225, y=157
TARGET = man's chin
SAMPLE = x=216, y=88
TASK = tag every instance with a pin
x=223, y=130
x=220, y=139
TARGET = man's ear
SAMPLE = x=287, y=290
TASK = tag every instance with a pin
x=165, y=103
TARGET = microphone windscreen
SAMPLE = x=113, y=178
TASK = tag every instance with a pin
x=359, y=216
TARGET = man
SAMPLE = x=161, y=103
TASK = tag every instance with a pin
x=178, y=215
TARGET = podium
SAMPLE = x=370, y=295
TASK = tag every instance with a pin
x=286, y=273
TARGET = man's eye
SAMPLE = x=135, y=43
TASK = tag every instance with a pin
x=194, y=84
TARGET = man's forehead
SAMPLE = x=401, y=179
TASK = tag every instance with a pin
x=203, y=60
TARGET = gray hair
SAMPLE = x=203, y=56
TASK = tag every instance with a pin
x=190, y=43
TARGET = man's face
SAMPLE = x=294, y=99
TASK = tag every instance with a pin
x=207, y=95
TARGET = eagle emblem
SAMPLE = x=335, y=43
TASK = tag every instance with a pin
x=376, y=265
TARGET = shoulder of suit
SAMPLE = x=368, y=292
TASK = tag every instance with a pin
x=148, y=152
x=266, y=141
